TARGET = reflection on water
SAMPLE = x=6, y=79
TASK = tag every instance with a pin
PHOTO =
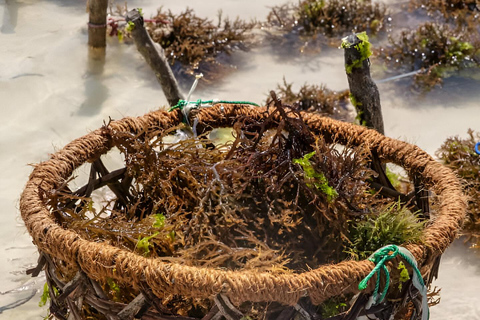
x=43, y=113
x=96, y=92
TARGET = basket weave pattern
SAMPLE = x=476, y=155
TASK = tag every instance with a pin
x=100, y=261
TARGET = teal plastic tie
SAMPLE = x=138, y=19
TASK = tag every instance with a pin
x=380, y=257
x=186, y=106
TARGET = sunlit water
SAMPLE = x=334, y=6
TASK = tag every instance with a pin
x=50, y=94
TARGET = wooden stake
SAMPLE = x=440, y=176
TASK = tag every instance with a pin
x=155, y=57
x=97, y=23
x=362, y=88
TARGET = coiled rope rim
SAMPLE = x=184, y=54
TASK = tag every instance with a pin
x=100, y=260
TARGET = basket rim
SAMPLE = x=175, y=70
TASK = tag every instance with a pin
x=99, y=260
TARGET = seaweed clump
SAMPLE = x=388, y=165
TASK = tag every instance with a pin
x=394, y=224
x=434, y=50
x=192, y=44
x=197, y=44
x=317, y=99
x=459, y=12
x=459, y=154
x=276, y=199
x=315, y=20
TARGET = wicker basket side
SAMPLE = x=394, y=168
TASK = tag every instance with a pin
x=100, y=261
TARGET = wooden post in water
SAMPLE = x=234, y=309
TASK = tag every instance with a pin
x=155, y=57
x=363, y=91
x=97, y=27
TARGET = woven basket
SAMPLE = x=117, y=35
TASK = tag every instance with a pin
x=97, y=261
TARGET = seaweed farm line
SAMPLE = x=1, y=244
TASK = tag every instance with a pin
x=50, y=94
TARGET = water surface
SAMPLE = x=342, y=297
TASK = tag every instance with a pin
x=51, y=94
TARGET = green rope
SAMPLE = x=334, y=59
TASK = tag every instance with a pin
x=182, y=103
x=380, y=257
x=186, y=106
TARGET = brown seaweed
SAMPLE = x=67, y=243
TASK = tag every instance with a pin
x=199, y=44
x=313, y=23
x=434, y=50
x=459, y=154
x=318, y=99
x=457, y=12
x=275, y=199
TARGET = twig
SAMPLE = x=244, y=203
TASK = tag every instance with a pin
x=40, y=264
x=132, y=309
x=97, y=183
x=226, y=308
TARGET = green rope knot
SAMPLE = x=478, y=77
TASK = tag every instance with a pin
x=183, y=103
x=186, y=106
x=380, y=257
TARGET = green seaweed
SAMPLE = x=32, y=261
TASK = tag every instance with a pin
x=394, y=178
x=333, y=306
x=159, y=221
x=113, y=285
x=45, y=296
x=395, y=224
x=143, y=244
x=316, y=179
x=130, y=26
x=363, y=47
x=404, y=275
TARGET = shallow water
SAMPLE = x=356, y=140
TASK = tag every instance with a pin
x=50, y=94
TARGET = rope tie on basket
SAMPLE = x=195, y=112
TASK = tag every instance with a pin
x=186, y=106
x=477, y=147
x=380, y=257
